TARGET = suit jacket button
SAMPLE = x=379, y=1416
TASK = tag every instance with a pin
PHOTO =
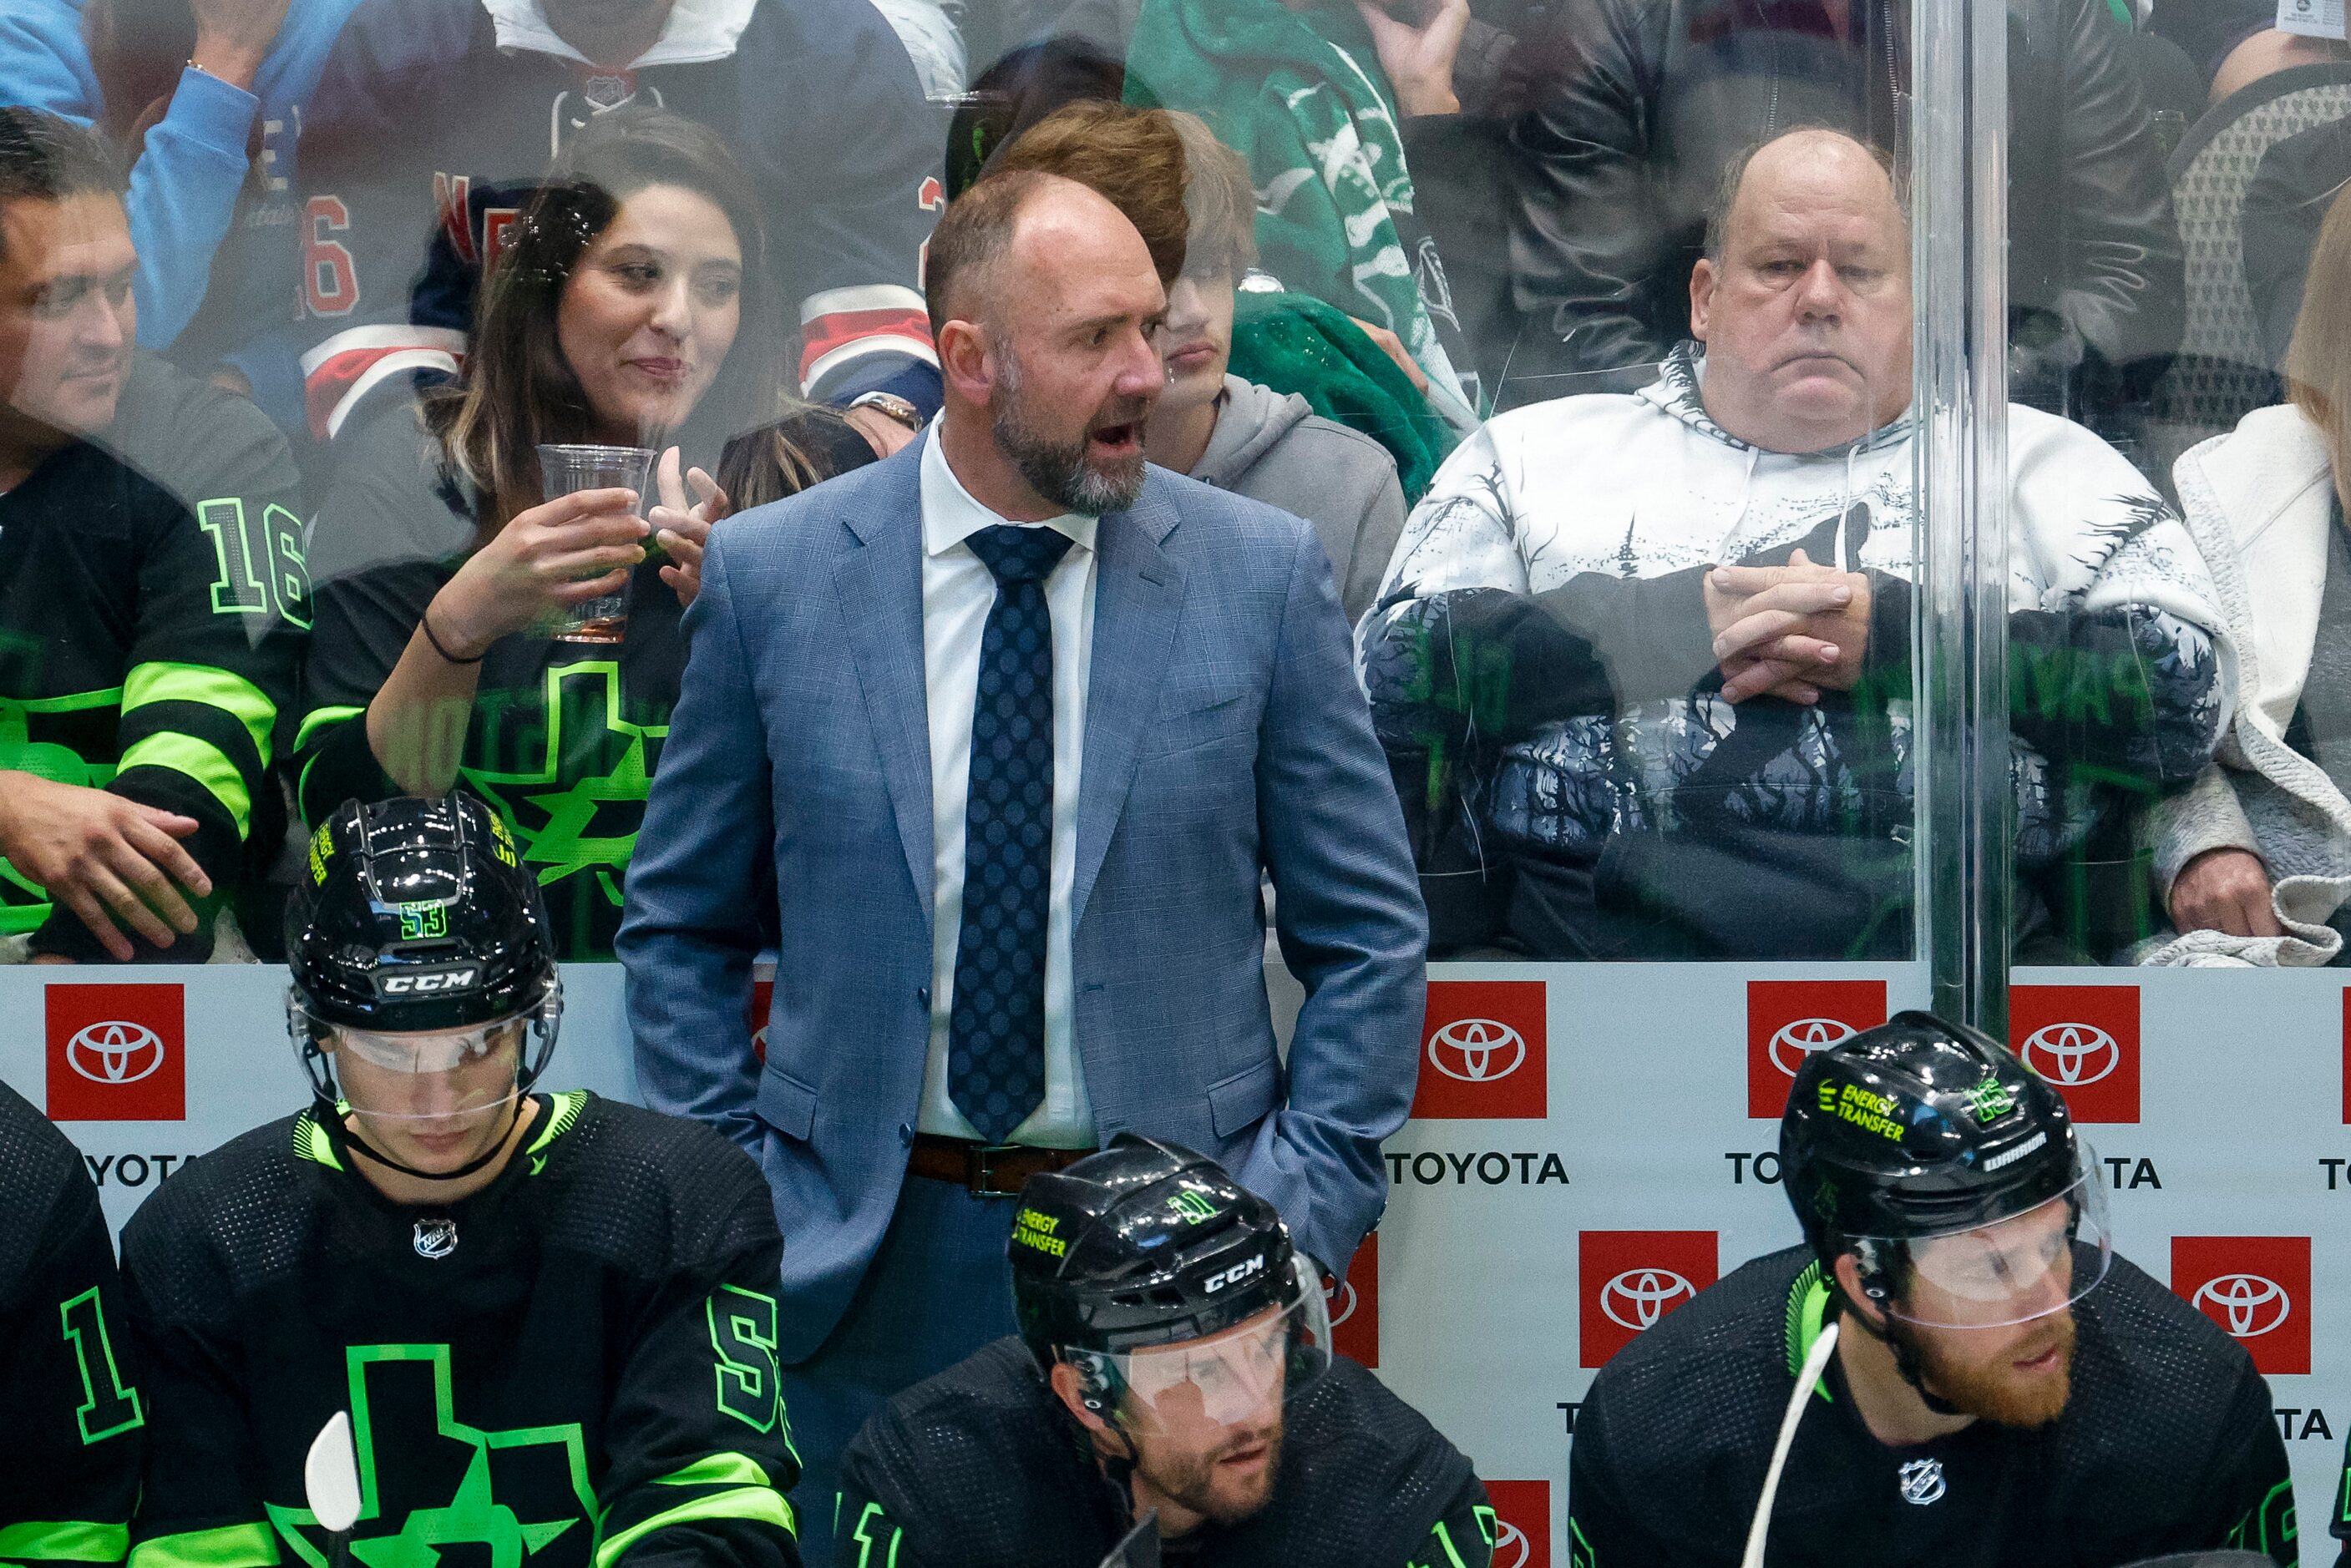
x=906, y=1134
x=923, y=994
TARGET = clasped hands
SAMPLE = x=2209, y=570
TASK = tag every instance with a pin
x=1791, y=631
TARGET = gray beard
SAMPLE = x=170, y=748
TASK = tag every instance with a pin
x=1058, y=471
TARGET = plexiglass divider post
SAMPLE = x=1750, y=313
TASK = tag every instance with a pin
x=1964, y=854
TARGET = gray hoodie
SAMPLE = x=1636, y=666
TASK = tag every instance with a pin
x=1273, y=448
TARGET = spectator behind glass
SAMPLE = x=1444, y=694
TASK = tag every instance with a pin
x=1166, y=173
x=1640, y=104
x=632, y=306
x=1330, y=104
x=206, y=96
x=434, y=118
x=153, y=594
x=2257, y=854
x=1625, y=750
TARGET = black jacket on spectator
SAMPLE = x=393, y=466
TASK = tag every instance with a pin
x=2297, y=181
x=1637, y=106
x=563, y=738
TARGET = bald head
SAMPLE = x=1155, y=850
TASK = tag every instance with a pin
x=1811, y=159
x=1011, y=232
x=1802, y=299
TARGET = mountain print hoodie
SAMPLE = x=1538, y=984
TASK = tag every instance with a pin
x=1541, y=669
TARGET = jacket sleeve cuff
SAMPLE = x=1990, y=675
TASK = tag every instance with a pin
x=2206, y=815
x=210, y=111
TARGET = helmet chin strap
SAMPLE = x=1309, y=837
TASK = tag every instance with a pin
x=329, y=1116
x=1907, y=1362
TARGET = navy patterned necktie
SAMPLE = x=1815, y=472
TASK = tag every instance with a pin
x=996, y=1036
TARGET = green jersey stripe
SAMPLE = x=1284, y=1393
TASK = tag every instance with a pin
x=208, y=684
x=760, y=1504
x=64, y=1541
x=230, y=1546
x=317, y=719
x=201, y=761
x=717, y=1469
x=74, y=702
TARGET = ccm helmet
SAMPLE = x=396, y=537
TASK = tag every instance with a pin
x=1914, y=1146
x=416, y=939
x=1158, y=1278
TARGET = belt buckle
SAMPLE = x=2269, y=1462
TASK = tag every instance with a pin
x=980, y=1173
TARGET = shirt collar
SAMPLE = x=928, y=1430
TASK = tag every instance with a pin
x=697, y=30
x=952, y=513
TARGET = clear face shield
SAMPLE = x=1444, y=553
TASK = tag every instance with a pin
x=1235, y=1381
x=2030, y=1265
x=448, y=1077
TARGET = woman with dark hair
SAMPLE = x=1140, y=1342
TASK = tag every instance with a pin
x=629, y=307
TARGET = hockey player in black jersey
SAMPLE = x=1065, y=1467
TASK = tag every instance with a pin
x=2002, y=1391
x=70, y=1443
x=549, y=1318
x=1176, y=1358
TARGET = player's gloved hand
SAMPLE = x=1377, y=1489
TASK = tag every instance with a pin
x=96, y=852
x=546, y=560
x=681, y=530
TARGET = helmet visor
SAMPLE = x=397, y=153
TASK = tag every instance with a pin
x=1238, y=1378
x=2029, y=1265
x=447, y=1076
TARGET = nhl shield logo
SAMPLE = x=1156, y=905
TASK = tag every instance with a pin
x=1922, y=1481
x=436, y=1238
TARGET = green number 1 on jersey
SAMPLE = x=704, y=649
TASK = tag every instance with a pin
x=107, y=1407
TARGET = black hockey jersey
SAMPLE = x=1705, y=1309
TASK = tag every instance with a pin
x=70, y=1446
x=980, y=1467
x=572, y=1369
x=433, y=117
x=2167, y=1444
x=154, y=602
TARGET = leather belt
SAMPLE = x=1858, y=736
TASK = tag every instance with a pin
x=984, y=1170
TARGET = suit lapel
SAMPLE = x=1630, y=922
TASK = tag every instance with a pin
x=1138, y=592
x=878, y=590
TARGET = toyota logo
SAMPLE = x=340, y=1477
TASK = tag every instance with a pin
x=2254, y=1306
x=1512, y=1547
x=2071, y=1053
x=114, y=1052
x=1477, y=1050
x=1339, y=1299
x=1638, y=1298
x=1792, y=1043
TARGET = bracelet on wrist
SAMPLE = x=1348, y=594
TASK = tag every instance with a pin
x=424, y=622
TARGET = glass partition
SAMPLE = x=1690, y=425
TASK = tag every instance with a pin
x=1837, y=504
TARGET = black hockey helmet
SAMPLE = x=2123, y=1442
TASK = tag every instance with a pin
x=1920, y=1130
x=416, y=919
x=1148, y=1245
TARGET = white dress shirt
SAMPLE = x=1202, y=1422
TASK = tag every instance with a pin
x=959, y=590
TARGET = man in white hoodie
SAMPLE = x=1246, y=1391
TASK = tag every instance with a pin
x=1641, y=663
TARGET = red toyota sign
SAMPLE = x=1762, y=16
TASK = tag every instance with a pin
x=1481, y=1051
x=2084, y=1039
x=1521, y=1522
x=116, y=1052
x=1631, y=1279
x=1354, y=1305
x=1789, y=1019
x=2257, y=1287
